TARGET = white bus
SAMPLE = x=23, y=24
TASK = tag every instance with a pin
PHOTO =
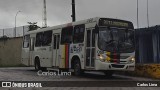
x=98, y=44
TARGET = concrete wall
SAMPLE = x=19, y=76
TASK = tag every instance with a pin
x=10, y=51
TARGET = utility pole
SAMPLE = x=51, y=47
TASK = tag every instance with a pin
x=147, y=15
x=23, y=31
x=73, y=11
x=44, y=23
x=3, y=32
x=137, y=16
x=15, y=24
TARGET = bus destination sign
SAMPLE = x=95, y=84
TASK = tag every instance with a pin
x=113, y=22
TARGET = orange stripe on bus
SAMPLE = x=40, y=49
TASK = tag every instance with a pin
x=67, y=55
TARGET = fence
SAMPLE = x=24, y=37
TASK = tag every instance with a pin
x=148, y=45
x=10, y=32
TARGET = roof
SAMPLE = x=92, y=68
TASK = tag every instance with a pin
x=90, y=20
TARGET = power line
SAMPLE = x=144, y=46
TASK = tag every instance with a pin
x=147, y=14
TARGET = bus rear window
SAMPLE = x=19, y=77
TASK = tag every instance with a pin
x=26, y=41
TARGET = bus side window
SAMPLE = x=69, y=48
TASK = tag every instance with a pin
x=56, y=41
x=66, y=36
x=26, y=41
x=39, y=39
x=47, y=38
x=78, y=36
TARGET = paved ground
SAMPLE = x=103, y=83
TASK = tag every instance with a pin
x=29, y=74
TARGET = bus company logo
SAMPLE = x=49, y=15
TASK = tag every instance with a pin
x=6, y=84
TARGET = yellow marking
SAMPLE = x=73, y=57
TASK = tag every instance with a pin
x=108, y=56
x=108, y=53
x=64, y=61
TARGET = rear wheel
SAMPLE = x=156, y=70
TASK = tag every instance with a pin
x=77, y=68
x=43, y=68
x=37, y=65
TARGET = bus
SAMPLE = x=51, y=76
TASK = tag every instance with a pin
x=95, y=44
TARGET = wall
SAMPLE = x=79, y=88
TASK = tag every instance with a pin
x=10, y=51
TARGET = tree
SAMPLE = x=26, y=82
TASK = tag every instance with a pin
x=33, y=26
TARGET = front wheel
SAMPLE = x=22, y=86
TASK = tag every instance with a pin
x=77, y=68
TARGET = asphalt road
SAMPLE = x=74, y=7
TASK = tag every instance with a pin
x=29, y=74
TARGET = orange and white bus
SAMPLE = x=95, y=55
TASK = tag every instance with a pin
x=98, y=44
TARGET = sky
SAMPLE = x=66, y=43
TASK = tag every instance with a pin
x=59, y=11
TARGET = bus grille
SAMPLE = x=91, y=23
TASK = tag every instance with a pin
x=117, y=66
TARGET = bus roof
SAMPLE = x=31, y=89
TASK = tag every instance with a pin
x=91, y=20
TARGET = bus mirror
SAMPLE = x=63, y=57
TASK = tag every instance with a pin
x=96, y=29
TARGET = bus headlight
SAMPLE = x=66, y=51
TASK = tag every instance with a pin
x=102, y=58
x=132, y=60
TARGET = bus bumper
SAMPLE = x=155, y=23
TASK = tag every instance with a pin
x=99, y=65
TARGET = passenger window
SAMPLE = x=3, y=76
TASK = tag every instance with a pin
x=78, y=36
x=55, y=42
x=66, y=36
x=93, y=38
x=47, y=38
x=26, y=41
x=39, y=39
x=58, y=39
x=88, y=38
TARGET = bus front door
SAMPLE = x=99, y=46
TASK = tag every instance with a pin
x=56, y=38
x=90, y=49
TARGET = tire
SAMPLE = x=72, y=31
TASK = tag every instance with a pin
x=77, y=68
x=37, y=65
x=108, y=73
x=43, y=68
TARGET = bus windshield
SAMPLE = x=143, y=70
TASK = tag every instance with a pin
x=116, y=40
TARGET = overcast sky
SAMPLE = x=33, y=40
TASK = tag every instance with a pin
x=59, y=11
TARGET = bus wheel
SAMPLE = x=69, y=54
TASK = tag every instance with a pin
x=43, y=68
x=77, y=68
x=37, y=65
x=108, y=73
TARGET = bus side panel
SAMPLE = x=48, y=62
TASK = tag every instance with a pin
x=45, y=56
x=25, y=56
x=78, y=51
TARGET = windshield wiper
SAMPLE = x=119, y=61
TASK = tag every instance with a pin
x=110, y=42
x=114, y=46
